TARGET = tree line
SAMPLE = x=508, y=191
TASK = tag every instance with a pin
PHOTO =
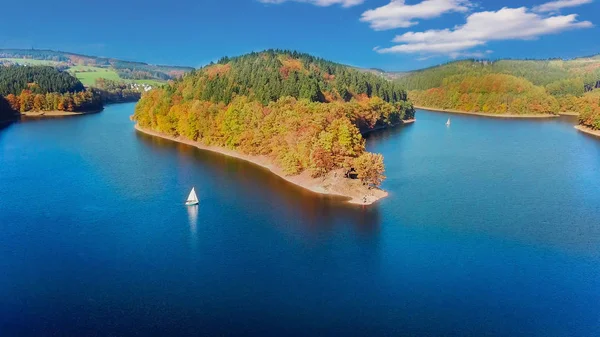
x=28, y=101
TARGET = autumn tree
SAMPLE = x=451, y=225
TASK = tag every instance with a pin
x=369, y=169
x=14, y=102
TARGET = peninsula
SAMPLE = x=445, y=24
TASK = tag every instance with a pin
x=299, y=116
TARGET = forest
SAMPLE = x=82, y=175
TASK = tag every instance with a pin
x=302, y=112
x=38, y=79
x=42, y=88
x=511, y=86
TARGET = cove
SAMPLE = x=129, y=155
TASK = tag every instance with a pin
x=492, y=227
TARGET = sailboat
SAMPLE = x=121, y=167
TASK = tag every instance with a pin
x=448, y=122
x=192, y=199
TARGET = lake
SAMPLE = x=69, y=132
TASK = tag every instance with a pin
x=492, y=228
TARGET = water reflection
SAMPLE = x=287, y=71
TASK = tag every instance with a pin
x=308, y=215
x=383, y=134
x=5, y=125
x=193, y=223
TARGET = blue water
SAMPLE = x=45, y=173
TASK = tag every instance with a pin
x=492, y=228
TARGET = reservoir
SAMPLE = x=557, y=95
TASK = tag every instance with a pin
x=491, y=228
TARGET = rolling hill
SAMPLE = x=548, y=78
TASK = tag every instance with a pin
x=511, y=87
x=89, y=68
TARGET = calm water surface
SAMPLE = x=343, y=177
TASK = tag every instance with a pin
x=492, y=228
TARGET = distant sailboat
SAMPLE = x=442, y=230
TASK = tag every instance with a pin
x=192, y=199
x=448, y=122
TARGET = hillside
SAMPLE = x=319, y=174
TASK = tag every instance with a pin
x=114, y=80
x=303, y=113
x=36, y=89
x=110, y=68
x=508, y=86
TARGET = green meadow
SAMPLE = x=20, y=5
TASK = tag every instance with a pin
x=89, y=74
x=31, y=62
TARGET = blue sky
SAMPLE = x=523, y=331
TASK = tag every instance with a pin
x=396, y=35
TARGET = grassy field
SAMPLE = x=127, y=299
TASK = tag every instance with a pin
x=31, y=62
x=88, y=74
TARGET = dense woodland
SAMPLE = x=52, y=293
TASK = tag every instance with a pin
x=38, y=80
x=272, y=74
x=303, y=112
x=511, y=86
x=42, y=88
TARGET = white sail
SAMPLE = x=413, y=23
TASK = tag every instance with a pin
x=192, y=198
x=448, y=122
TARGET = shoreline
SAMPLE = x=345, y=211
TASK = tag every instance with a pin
x=588, y=130
x=402, y=123
x=58, y=113
x=487, y=114
x=333, y=184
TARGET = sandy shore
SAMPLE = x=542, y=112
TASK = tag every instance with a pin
x=588, y=130
x=569, y=113
x=488, y=114
x=57, y=113
x=333, y=184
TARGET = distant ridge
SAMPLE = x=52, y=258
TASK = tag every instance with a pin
x=77, y=63
x=394, y=75
x=56, y=55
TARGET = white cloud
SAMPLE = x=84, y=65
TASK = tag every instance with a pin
x=322, y=3
x=555, y=6
x=397, y=14
x=481, y=27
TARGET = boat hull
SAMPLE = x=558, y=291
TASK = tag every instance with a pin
x=191, y=203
